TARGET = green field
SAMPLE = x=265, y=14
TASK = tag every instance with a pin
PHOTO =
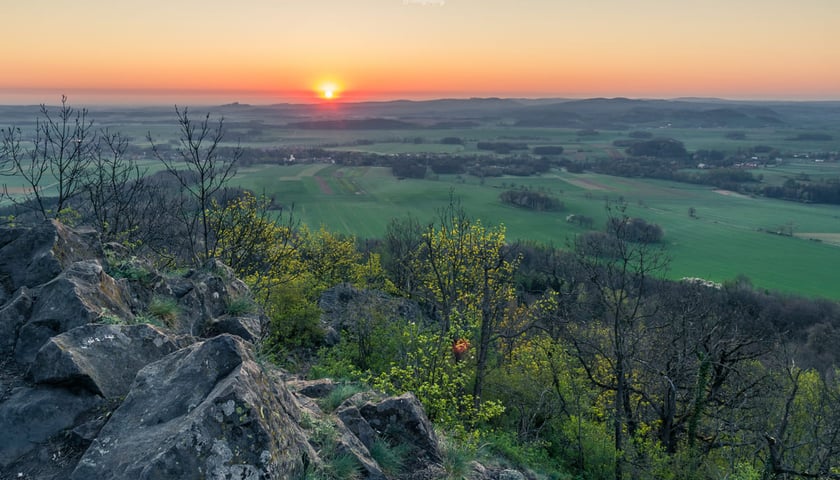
x=730, y=236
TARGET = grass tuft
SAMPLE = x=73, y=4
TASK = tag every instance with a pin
x=339, y=394
x=165, y=309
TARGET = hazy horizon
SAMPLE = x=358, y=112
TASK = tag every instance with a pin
x=215, y=98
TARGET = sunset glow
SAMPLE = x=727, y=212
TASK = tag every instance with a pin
x=328, y=91
x=267, y=51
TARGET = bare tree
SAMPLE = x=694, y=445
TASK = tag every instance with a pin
x=117, y=191
x=204, y=171
x=55, y=158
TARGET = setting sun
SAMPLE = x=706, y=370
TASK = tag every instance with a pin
x=328, y=91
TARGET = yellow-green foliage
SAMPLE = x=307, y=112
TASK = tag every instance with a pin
x=439, y=382
x=259, y=248
x=288, y=267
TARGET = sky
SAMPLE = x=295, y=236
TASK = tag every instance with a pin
x=274, y=51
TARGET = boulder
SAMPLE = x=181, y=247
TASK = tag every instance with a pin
x=206, y=411
x=79, y=295
x=30, y=256
x=352, y=418
x=347, y=443
x=401, y=420
x=32, y=416
x=101, y=358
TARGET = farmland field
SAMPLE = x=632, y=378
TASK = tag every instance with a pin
x=780, y=245
x=730, y=234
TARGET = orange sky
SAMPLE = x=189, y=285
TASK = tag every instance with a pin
x=270, y=51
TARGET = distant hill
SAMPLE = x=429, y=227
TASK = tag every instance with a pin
x=625, y=113
x=366, y=124
x=591, y=113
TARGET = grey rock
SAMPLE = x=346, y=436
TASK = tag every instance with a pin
x=203, y=295
x=343, y=305
x=349, y=444
x=353, y=420
x=102, y=358
x=246, y=327
x=402, y=421
x=319, y=388
x=13, y=315
x=83, y=434
x=30, y=417
x=206, y=411
x=30, y=256
x=79, y=295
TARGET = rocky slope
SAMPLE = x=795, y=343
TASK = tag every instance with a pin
x=90, y=389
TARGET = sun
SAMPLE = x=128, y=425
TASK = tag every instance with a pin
x=328, y=91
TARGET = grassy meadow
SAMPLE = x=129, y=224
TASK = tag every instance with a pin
x=730, y=235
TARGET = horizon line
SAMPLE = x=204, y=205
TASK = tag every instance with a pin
x=22, y=96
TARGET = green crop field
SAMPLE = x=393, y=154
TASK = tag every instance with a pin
x=731, y=234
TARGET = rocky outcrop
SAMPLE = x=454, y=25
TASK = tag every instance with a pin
x=31, y=417
x=82, y=294
x=88, y=391
x=31, y=256
x=102, y=358
x=51, y=280
x=206, y=411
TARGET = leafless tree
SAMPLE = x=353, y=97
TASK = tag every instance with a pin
x=117, y=191
x=55, y=158
x=202, y=168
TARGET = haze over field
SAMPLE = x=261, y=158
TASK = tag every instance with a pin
x=270, y=51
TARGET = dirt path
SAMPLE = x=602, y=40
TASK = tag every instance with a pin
x=586, y=184
x=323, y=185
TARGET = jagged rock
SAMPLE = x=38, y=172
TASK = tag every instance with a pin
x=349, y=444
x=102, y=358
x=30, y=256
x=479, y=471
x=351, y=417
x=402, y=420
x=206, y=411
x=192, y=410
x=79, y=295
x=13, y=315
x=30, y=417
x=202, y=295
x=319, y=388
x=247, y=327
